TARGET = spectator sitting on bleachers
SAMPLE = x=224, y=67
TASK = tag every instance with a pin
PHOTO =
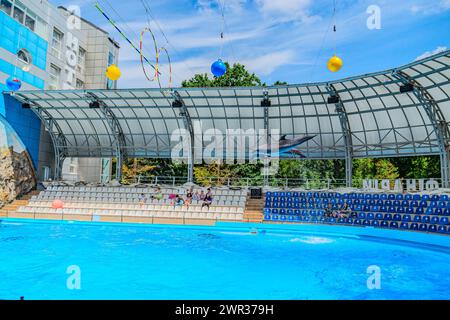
x=329, y=213
x=158, y=194
x=142, y=199
x=344, y=211
x=196, y=195
x=202, y=195
x=189, y=197
x=178, y=200
x=207, y=200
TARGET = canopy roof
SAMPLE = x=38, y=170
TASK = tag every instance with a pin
x=372, y=119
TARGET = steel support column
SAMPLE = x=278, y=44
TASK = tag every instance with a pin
x=266, y=160
x=117, y=132
x=184, y=113
x=54, y=130
x=345, y=125
x=437, y=119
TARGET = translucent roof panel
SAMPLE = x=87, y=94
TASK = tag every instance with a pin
x=381, y=120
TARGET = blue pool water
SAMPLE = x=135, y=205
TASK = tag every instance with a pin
x=163, y=262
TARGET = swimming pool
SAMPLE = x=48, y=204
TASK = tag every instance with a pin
x=118, y=261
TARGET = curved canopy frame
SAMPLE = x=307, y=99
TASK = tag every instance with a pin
x=372, y=118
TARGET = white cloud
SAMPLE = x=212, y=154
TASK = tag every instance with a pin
x=430, y=53
x=266, y=64
x=284, y=6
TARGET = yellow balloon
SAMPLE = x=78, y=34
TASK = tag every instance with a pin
x=334, y=64
x=113, y=72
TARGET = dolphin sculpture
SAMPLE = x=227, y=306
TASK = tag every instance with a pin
x=285, y=147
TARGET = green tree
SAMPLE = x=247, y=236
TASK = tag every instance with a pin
x=235, y=76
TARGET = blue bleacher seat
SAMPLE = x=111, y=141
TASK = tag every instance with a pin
x=384, y=224
x=391, y=196
x=417, y=197
x=282, y=217
x=432, y=228
x=409, y=210
x=404, y=225
x=370, y=216
x=291, y=218
x=366, y=223
x=267, y=217
x=414, y=226
x=379, y=216
x=406, y=218
x=388, y=216
x=275, y=217
x=444, y=221
x=426, y=219
x=419, y=210
x=425, y=197
x=443, y=197
x=397, y=217
x=375, y=196
x=442, y=229
x=417, y=218
x=266, y=210
x=362, y=215
x=408, y=197
x=423, y=227
x=394, y=224
x=435, y=197
x=434, y=220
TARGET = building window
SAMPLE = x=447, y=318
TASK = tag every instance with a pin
x=55, y=75
x=30, y=20
x=81, y=58
x=57, y=40
x=41, y=28
x=80, y=84
x=111, y=58
x=19, y=13
x=24, y=56
x=6, y=6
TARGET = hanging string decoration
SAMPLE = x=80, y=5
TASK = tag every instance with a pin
x=218, y=68
x=139, y=50
x=156, y=75
x=13, y=83
x=113, y=72
x=334, y=63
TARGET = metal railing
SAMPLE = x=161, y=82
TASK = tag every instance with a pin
x=277, y=182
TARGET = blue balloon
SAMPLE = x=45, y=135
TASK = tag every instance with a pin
x=13, y=84
x=218, y=68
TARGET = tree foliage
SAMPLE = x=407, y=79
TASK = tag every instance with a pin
x=235, y=76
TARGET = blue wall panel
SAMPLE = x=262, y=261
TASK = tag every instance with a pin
x=15, y=36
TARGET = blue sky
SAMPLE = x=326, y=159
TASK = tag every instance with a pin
x=283, y=40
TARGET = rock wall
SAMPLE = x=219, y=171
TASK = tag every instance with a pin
x=16, y=175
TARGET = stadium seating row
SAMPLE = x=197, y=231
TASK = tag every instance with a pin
x=134, y=213
x=430, y=213
x=427, y=227
x=359, y=195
